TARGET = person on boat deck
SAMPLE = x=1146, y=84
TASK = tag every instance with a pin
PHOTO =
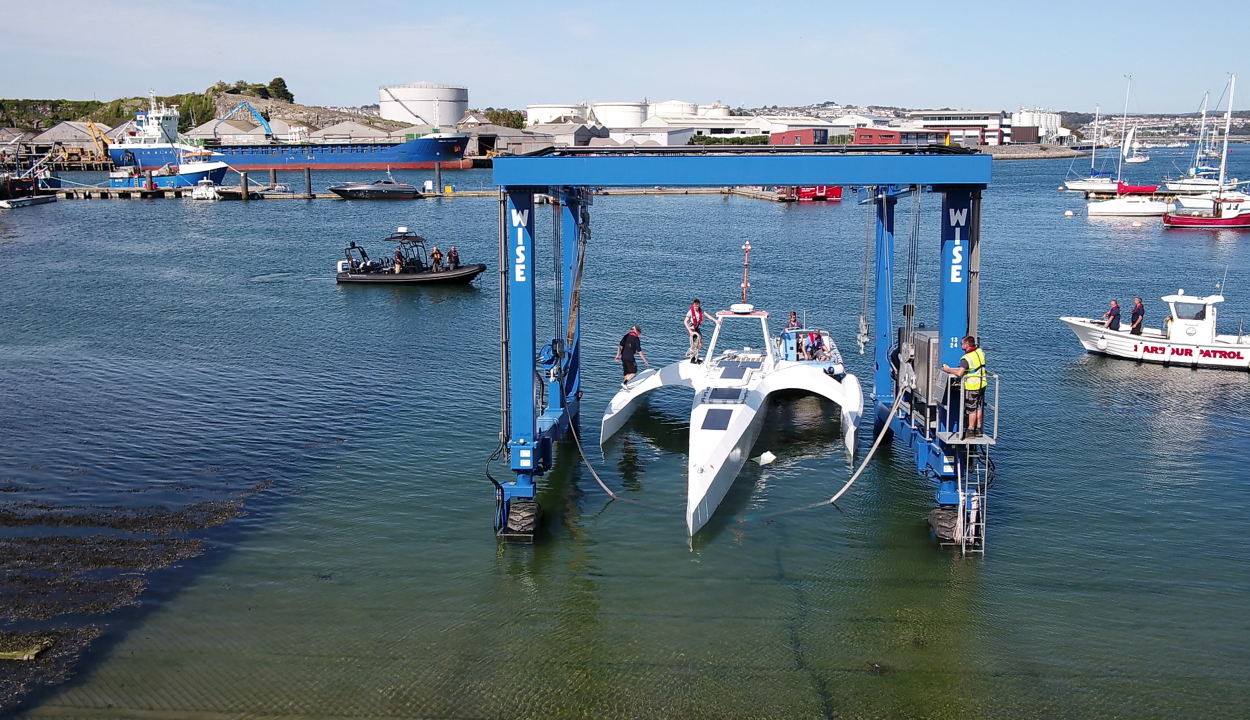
x=792, y=323
x=1138, y=315
x=972, y=371
x=399, y=261
x=629, y=345
x=694, y=318
x=453, y=258
x=1111, y=318
x=813, y=346
x=436, y=259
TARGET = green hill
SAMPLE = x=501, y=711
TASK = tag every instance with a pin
x=195, y=108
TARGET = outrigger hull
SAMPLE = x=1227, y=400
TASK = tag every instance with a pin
x=726, y=418
x=1154, y=346
x=463, y=274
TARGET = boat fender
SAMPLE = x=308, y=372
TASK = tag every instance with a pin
x=1102, y=343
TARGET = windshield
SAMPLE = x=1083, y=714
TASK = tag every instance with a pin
x=738, y=333
x=1190, y=311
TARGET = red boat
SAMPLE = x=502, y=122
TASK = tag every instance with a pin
x=1126, y=189
x=1205, y=221
x=819, y=192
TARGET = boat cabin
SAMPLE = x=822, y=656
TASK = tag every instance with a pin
x=1191, y=318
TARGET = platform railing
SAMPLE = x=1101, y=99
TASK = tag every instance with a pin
x=954, y=412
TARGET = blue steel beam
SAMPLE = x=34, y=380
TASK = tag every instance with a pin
x=524, y=452
x=716, y=171
x=882, y=377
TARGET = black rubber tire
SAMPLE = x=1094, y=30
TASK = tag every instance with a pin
x=942, y=521
x=523, y=516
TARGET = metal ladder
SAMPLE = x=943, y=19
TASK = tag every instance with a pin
x=975, y=473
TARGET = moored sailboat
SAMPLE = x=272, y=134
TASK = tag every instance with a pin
x=1227, y=209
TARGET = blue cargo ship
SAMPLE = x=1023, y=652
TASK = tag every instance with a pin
x=155, y=144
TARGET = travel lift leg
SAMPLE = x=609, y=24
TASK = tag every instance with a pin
x=533, y=420
x=958, y=468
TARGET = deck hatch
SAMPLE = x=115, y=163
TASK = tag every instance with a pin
x=717, y=419
x=725, y=395
x=733, y=373
x=753, y=364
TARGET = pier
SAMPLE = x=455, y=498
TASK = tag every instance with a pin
x=260, y=193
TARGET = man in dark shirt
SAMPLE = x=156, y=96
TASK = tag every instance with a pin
x=1111, y=318
x=1139, y=314
x=629, y=345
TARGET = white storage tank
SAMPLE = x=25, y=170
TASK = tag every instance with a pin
x=424, y=103
x=539, y=114
x=714, y=110
x=675, y=108
x=620, y=114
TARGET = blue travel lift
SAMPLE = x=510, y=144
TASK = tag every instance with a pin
x=541, y=388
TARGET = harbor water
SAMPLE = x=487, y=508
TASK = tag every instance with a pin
x=327, y=445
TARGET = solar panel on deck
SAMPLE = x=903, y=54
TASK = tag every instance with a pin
x=733, y=373
x=753, y=364
x=717, y=419
x=724, y=394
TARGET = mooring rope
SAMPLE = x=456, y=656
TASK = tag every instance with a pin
x=855, y=476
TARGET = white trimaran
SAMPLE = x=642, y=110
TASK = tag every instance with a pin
x=731, y=395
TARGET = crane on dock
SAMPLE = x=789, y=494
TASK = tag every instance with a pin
x=260, y=119
x=914, y=402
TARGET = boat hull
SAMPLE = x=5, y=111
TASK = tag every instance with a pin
x=416, y=154
x=1093, y=186
x=367, y=193
x=1128, y=207
x=216, y=174
x=1154, y=346
x=463, y=274
x=1200, y=222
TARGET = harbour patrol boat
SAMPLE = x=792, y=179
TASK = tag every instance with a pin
x=731, y=395
x=1188, y=337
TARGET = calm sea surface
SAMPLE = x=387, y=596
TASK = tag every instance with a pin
x=170, y=352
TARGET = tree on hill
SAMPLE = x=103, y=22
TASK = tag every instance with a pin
x=279, y=91
x=503, y=117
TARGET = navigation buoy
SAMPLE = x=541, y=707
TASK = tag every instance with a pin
x=1060, y=188
x=1067, y=213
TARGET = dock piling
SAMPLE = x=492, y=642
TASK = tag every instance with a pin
x=273, y=178
x=438, y=178
x=308, y=191
x=243, y=186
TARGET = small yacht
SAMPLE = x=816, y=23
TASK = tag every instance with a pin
x=1188, y=337
x=388, y=189
x=731, y=388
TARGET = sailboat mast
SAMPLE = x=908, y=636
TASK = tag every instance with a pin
x=1093, y=153
x=1124, y=131
x=1202, y=133
x=1228, y=123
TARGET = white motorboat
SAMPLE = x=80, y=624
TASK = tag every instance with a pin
x=205, y=189
x=731, y=395
x=1188, y=337
x=1128, y=206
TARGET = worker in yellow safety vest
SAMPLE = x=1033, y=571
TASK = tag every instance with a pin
x=972, y=370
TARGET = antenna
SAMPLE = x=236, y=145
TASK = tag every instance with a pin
x=1220, y=285
x=746, y=261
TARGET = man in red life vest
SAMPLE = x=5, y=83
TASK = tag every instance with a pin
x=694, y=318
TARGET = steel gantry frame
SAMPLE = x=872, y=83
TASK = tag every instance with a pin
x=541, y=388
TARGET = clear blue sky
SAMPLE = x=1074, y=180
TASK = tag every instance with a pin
x=984, y=55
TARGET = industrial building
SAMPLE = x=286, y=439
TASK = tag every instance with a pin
x=966, y=127
x=1039, y=126
x=423, y=103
